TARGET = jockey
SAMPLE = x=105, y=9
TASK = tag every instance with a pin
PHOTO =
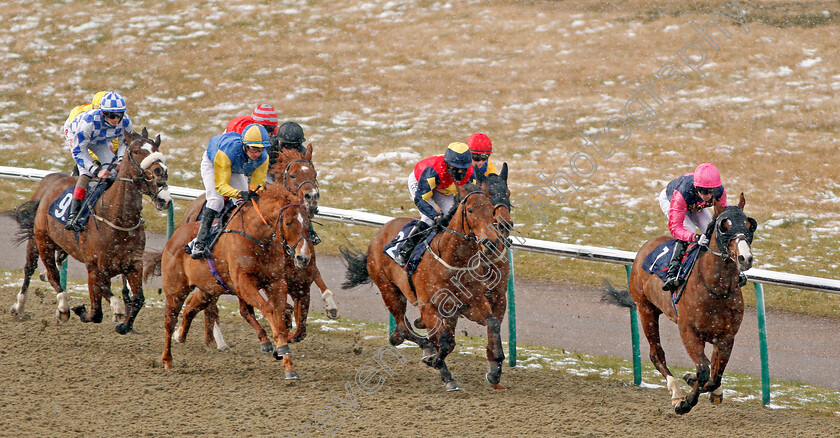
x=684, y=202
x=94, y=131
x=434, y=179
x=481, y=149
x=290, y=136
x=231, y=158
x=263, y=115
x=75, y=112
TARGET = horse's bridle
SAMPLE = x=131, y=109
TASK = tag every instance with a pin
x=471, y=235
x=290, y=249
x=723, y=240
x=295, y=190
x=143, y=167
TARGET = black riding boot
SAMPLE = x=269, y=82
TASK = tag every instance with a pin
x=312, y=235
x=200, y=240
x=411, y=241
x=672, y=282
x=74, y=211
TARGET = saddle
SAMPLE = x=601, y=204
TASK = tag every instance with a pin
x=656, y=262
x=393, y=248
x=60, y=207
x=216, y=229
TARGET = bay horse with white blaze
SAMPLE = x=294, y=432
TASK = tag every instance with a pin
x=112, y=243
x=711, y=307
x=443, y=291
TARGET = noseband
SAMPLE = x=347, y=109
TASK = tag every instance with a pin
x=286, y=177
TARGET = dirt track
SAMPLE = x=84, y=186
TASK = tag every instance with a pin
x=85, y=380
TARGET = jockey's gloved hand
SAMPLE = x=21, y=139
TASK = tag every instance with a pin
x=440, y=221
x=702, y=240
x=247, y=195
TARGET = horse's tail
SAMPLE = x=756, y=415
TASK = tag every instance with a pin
x=620, y=298
x=24, y=215
x=356, y=267
x=151, y=264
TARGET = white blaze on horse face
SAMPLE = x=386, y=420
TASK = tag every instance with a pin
x=745, y=254
x=306, y=249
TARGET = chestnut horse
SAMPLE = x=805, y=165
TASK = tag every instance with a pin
x=271, y=228
x=711, y=307
x=112, y=243
x=443, y=292
x=298, y=175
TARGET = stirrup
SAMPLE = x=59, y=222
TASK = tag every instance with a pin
x=672, y=284
x=742, y=279
x=72, y=225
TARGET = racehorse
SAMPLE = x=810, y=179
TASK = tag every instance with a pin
x=260, y=232
x=112, y=244
x=443, y=292
x=298, y=175
x=711, y=307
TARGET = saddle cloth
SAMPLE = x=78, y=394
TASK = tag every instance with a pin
x=393, y=248
x=216, y=229
x=656, y=262
x=60, y=208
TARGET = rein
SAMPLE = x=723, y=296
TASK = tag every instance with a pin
x=469, y=237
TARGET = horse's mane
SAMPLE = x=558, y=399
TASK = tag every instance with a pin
x=470, y=187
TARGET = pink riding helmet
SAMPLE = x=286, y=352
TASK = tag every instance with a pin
x=706, y=175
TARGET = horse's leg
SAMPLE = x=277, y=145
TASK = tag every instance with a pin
x=96, y=286
x=301, y=312
x=28, y=269
x=196, y=302
x=273, y=308
x=118, y=308
x=445, y=339
x=330, y=308
x=212, y=330
x=483, y=314
x=720, y=357
x=135, y=281
x=172, y=307
x=247, y=312
x=649, y=320
x=47, y=250
x=694, y=346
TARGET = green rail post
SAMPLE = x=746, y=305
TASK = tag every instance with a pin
x=762, y=344
x=511, y=315
x=170, y=221
x=62, y=275
x=634, y=333
x=392, y=324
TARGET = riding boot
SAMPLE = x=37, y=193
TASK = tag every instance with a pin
x=200, y=242
x=742, y=279
x=312, y=235
x=672, y=281
x=411, y=241
x=71, y=218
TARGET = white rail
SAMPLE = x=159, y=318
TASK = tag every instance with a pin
x=585, y=252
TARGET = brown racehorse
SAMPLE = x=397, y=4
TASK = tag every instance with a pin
x=443, y=292
x=240, y=256
x=112, y=243
x=710, y=309
x=298, y=175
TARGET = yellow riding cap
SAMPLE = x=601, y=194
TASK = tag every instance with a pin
x=255, y=135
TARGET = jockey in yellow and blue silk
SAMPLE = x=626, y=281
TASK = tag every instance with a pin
x=432, y=186
x=233, y=166
x=95, y=131
x=685, y=201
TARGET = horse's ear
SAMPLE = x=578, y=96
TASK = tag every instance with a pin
x=742, y=201
x=145, y=132
x=718, y=208
x=157, y=140
x=308, y=155
x=504, y=171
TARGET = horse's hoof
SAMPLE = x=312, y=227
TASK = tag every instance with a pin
x=266, y=348
x=491, y=379
x=452, y=386
x=716, y=399
x=396, y=338
x=331, y=313
x=299, y=338
x=419, y=324
x=690, y=378
x=14, y=309
x=167, y=366
x=682, y=408
x=62, y=316
x=119, y=317
x=122, y=328
x=499, y=387
x=429, y=360
x=79, y=310
x=43, y=276
x=292, y=375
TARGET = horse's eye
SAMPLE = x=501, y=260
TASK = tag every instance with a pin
x=469, y=210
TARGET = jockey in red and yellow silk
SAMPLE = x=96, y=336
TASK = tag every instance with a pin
x=481, y=148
